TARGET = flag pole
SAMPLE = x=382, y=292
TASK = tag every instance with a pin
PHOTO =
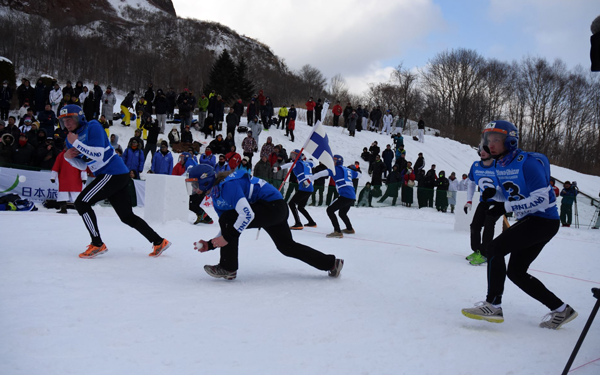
x=325, y=107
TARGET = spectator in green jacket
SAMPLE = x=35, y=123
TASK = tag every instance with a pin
x=569, y=195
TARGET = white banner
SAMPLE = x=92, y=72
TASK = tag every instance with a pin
x=36, y=186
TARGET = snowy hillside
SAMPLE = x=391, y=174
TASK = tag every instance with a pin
x=395, y=309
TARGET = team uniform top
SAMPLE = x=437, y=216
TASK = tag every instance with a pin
x=484, y=177
x=95, y=151
x=343, y=180
x=525, y=181
x=303, y=172
x=237, y=192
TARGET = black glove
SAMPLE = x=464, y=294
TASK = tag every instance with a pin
x=488, y=193
x=496, y=210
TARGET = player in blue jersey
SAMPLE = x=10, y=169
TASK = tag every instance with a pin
x=524, y=179
x=89, y=147
x=482, y=175
x=343, y=183
x=242, y=202
x=303, y=172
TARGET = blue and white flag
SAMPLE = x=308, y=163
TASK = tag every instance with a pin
x=317, y=144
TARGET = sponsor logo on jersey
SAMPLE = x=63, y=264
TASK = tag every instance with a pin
x=507, y=172
x=88, y=152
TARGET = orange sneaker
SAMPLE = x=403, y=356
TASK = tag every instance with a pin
x=93, y=251
x=158, y=249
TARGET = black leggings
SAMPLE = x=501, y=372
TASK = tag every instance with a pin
x=524, y=241
x=487, y=222
x=195, y=204
x=113, y=188
x=272, y=217
x=298, y=202
x=342, y=204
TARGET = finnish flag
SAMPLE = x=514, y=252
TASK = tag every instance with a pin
x=317, y=144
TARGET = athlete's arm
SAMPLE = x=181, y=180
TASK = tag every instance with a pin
x=93, y=147
x=323, y=173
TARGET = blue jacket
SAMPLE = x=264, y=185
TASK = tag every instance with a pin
x=134, y=159
x=162, y=164
x=223, y=168
x=208, y=159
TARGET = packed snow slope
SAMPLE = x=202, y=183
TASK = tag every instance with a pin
x=395, y=309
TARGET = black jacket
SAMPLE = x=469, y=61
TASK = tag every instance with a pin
x=161, y=104
x=377, y=168
x=24, y=155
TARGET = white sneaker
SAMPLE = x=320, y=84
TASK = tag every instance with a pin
x=555, y=320
x=484, y=311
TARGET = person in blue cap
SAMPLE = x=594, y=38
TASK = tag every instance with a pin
x=241, y=202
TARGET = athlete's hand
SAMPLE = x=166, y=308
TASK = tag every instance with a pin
x=72, y=137
x=306, y=183
x=488, y=193
x=201, y=246
x=468, y=207
x=219, y=241
x=496, y=210
x=71, y=153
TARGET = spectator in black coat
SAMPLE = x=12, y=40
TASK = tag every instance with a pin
x=7, y=146
x=186, y=135
x=41, y=96
x=232, y=121
x=184, y=113
x=388, y=157
x=161, y=108
x=209, y=126
x=78, y=89
x=377, y=171
x=47, y=153
x=318, y=109
x=172, y=101
x=27, y=94
x=238, y=109
x=441, y=196
x=97, y=99
x=68, y=89
x=153, y=129
x=218, y=145
x=47, y=119
x=149, y=96
x=89, y=106
x=375, y=116
x=346, y=114
x=374, y=150
x=24, y=152
x=5, y=98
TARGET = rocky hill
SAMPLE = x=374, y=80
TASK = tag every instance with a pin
x=128, y=43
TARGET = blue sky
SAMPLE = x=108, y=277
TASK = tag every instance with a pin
x=364, y=39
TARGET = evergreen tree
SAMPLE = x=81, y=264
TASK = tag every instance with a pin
x=244, y=87
x=222, y=77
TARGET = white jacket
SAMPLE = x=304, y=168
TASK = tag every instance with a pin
x=55, y=97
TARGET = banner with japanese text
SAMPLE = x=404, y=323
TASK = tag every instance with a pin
x=37, y=187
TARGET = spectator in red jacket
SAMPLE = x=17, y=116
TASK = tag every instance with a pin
x=337, y=112
x=310, y=107
x=554, y=188
x=70, y=181
x=233, y=158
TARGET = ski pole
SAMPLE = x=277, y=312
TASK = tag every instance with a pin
x=596, y=293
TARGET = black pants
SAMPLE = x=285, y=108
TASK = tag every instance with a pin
x=4, y=114
x=113, y=188
x=292, y=187
x=332, y=194
x=272, y=217
x=291, y=135
x=336, y=120
x=342, y=204
x=318, y=189
x=150, y=148
x=523, y=241
x=481, y=220
x=195, y=204
x=309, y=118
x=298, y=203
x=281, y=121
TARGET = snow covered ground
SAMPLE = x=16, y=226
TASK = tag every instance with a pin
x=395, y=310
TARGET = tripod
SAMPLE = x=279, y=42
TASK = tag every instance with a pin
x=596, y=293
x=576, y=215
x=595, y=222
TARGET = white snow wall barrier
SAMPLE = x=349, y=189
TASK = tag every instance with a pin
x=166, y=198
x=462, y=222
